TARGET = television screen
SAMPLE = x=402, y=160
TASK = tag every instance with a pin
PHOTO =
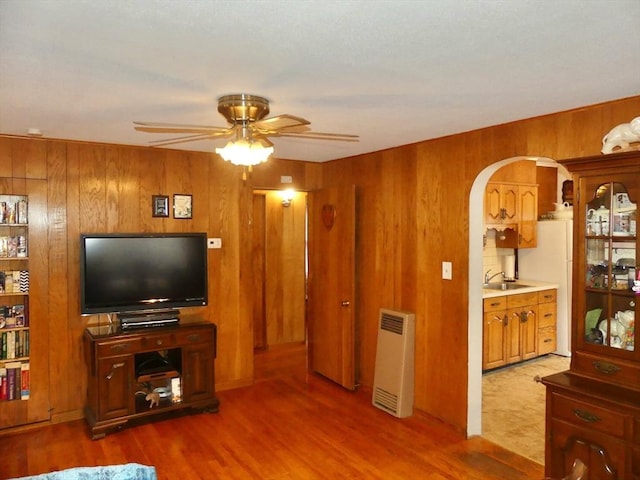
x=132, y=272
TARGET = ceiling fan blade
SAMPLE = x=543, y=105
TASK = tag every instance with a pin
x=279, y=122
x=321, y=136
x=159, y=127
x=188, y=138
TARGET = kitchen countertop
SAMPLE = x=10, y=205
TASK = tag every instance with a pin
x=535, y=286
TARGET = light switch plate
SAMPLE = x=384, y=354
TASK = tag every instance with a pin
x=214, y=243
x=446, y=271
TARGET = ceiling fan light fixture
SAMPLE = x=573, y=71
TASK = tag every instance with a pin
x=244, y=152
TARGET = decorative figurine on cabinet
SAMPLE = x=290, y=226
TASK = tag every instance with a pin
x=622, y=136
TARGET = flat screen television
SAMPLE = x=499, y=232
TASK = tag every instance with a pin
x=134, y=272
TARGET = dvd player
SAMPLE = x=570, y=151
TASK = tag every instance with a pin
x=149, y=320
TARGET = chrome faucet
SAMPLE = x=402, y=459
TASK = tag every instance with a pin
x=488, y=278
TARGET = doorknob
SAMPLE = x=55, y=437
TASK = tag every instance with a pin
x=345, y=303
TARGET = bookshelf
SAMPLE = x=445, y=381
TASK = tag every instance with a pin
x=14, y=299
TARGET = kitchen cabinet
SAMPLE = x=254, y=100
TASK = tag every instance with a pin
x=512, y=210
x=528, y=216
x=547, y=321
x=494, y=332
x=511, y=329
x=593, y=409
x=501, y=204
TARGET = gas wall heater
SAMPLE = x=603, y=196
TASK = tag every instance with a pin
x=393, y=378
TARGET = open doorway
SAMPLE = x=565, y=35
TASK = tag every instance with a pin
x=477, y=266
x=279, y=268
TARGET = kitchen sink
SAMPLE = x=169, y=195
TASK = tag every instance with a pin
x=504, y=286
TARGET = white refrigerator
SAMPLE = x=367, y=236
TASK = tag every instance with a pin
x=552, y=261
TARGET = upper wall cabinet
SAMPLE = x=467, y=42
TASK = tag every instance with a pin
x=512, y=210
x=501, y=204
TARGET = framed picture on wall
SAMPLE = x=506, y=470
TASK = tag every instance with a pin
x=182, y=206
x=160, y=206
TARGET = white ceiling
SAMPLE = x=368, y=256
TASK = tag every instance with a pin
x=394, y=72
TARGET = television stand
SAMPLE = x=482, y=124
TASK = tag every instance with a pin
x=147, y=372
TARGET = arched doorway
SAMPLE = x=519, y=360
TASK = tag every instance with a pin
x=476, y=225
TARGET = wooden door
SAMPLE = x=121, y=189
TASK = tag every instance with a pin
x=331, y=308
x=493, y=344
x=528, y=237
x=115, y=379
x=509, y=199
x=492, y=204
x=529, y=332
x=512, y=336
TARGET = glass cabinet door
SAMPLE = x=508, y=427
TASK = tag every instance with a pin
x=611, y=285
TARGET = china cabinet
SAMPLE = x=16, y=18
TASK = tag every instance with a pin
x=593, y=410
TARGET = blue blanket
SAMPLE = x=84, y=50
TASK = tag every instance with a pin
x=130, y=471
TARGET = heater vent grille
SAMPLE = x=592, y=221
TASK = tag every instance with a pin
x=393, y=382
x=392, y=323
x=385, y=400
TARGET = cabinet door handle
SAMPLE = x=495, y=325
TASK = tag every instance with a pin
x=505, y=320
x=194, y=337
x=606, y=368
x=547, y=315
x=113, y=369
x=586, y=416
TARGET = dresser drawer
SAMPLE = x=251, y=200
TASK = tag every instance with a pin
x=585, y=414
x=494, y=304
x=158, y=341
x=120, y=347
x=547, y=296
x=606, y=370
x=522, y=299
x=547, y=315
x=546, y=340
x=200, y=335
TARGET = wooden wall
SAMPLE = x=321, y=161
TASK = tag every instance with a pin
x=88, y=187
x=413, y=213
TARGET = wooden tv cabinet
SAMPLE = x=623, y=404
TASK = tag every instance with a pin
x=175, y=364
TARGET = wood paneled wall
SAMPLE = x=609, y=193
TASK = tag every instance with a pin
x=89, y=187
x=413, y=213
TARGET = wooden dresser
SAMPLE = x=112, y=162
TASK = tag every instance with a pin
x=126, y=370
x=593, y=410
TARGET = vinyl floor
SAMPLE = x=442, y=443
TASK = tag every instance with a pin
x=513, y=405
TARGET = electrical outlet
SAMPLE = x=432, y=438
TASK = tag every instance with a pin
x=214, y=243
x=447, y=270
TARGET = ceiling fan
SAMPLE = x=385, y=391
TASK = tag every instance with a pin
x=246, y=114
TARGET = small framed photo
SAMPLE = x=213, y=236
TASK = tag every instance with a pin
x=182, y=206
x=160, y=205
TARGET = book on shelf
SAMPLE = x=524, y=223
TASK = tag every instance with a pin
x=14, y=380
x=25, y=380
x=3, y=383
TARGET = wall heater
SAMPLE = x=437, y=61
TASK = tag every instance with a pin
x=393, y=378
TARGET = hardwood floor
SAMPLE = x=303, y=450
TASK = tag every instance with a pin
x=288, y=425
